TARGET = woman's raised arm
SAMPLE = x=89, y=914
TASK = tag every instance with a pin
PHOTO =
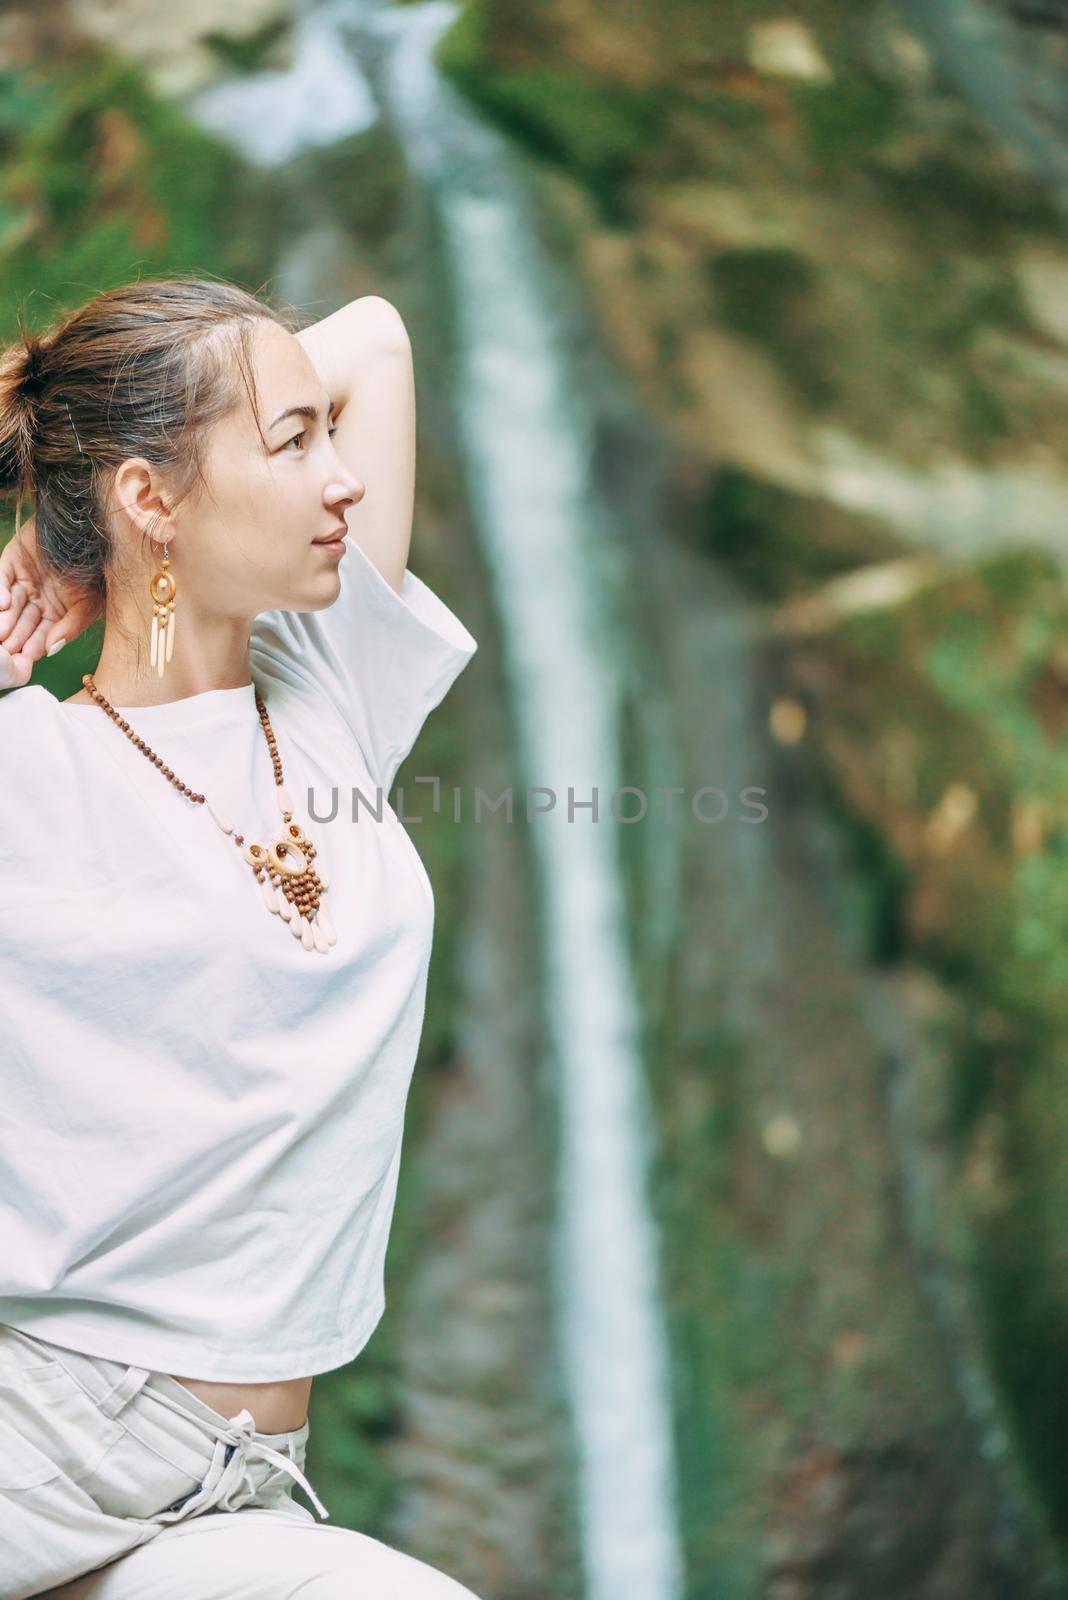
x=363, y=356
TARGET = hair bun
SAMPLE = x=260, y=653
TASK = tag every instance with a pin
x=33, y=358
x=23, y=368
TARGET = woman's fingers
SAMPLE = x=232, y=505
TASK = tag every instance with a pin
x=7, y=576
x=34, y=628
x=72, y=622
x=12, y=570
x=29, y=617
x=14, y=670
x=20, y=593
x=35, y=645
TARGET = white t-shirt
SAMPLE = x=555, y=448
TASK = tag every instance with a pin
x=201, y=1120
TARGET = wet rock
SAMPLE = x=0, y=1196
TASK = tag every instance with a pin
x=786, y=49
x=173, y=44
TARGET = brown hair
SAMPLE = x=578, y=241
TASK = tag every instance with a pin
x=141, y=370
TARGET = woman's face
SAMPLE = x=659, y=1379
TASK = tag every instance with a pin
x=245, y=543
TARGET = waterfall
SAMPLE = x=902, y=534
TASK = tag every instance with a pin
x=527, y=442
x=527, y=436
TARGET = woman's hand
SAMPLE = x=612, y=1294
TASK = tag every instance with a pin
x=38, y=612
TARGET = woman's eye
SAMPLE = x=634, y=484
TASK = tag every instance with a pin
x=299, y=437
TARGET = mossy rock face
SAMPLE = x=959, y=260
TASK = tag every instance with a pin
x=1020, y=1204
x=361, y=181
x=939, y=722
x=772, y=295
x=252, y=52
x=966, y=198
x=861, y=231
x=592, y=125
x=99, y=174
x=848, y=122
x=780, y=542
x=937, y=727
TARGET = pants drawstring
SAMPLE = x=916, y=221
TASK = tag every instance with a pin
x=237, y=1463
x=230, y=1467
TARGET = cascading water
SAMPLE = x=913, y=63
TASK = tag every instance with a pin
x=528, y=449
x=528, y=443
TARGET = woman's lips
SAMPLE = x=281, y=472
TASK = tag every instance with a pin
x=334, y=542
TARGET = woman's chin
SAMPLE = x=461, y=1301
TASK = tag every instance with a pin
x=325, y=586
x=315, y=595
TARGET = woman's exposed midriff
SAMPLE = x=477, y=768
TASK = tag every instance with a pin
x=280, y=1407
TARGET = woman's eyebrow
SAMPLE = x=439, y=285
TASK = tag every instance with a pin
x=311, y=413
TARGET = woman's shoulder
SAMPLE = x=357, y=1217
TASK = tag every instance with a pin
x=47, y=779
x=35, y=698
x=32, y=701
x=31, y=723
x=14, y=703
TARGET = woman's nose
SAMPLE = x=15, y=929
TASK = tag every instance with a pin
x=351, y=491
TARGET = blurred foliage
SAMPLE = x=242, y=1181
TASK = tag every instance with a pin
x=968, y=677
x=101, y=178
x=859, y=229
x=781, y=542
x=939, y=727
x=961, y=689
x=361, y=180
x=982, y=207
x=771, y=294
x=251, y=52
x=595, y=127
x=857, y=117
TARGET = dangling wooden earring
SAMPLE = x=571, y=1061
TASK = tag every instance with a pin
x=163, y=590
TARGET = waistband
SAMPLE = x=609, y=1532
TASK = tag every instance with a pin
x=112, y=1385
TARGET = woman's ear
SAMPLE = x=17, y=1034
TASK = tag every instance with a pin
x=139, y=493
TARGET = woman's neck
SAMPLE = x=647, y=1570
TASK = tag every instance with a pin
x=124, y=682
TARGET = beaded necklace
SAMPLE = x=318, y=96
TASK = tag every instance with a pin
x=291, y=887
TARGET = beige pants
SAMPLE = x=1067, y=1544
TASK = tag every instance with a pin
x=121, y=1484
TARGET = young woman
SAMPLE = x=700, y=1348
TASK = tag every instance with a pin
x=210, y=998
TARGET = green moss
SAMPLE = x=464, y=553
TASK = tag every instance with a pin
x=965, y=199
x=247, y=52
x=983, y=641
x=1019, y=1269
x=595, y=128
x=771, y=294
x=735, y=113
x=846, y=120
x=952, y=676
x=721, y=1303
x=354, y=1409
x=780, y=542
x=362, y=181
x=986, y=1054
x=25, y=101
x=878, y=881
x=992, y=300
x=760, y=288
x=985, y=419
x=103, y=180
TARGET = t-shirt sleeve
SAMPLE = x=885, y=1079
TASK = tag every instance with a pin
x=383, y=658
